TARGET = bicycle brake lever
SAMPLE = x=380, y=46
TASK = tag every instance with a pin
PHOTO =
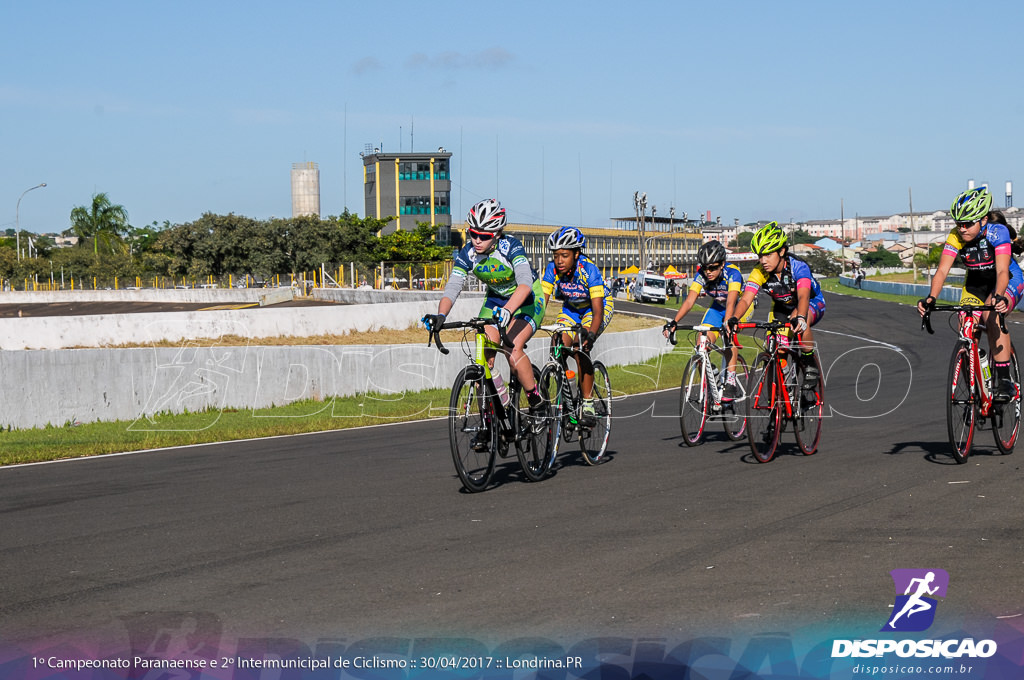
x=436, y=336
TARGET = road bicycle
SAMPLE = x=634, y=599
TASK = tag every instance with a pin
x=700, y=392
x=476, y=407
x=970, y=385
x=776, y=397
x=560, y=386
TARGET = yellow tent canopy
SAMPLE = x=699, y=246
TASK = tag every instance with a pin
x=673, y=273
x=629, y=271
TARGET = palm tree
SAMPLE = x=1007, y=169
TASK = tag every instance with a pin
x=102, y=221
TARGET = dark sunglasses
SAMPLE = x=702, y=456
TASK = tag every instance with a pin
x=713, y=267
x=966, y=225
x=480, y=236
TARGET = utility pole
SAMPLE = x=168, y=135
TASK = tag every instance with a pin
x=913, y=236
x=842, y=238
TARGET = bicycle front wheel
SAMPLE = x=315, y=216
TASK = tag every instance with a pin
x=694, y=395
x=733, y=411
x=1006, y=417
x=809, y=411
x=594, y=438
x=534, y=437
x=960, y=409
x=763, y=409
x=471, y=432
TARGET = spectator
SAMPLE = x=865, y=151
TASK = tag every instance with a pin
x=859, y=276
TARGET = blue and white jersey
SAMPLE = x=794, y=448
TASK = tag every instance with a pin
x=495, y=269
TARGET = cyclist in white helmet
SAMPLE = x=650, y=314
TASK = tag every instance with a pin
x=514, y=296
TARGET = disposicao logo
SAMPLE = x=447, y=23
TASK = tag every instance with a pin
x=914, y=609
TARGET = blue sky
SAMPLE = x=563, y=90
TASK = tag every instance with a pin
x=750, y=110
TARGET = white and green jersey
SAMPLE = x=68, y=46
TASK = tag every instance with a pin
x=501, y=270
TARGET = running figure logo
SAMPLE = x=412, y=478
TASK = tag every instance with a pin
x=914, y=610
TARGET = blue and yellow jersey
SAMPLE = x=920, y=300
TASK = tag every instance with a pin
x=577, y=288
x=730, y=280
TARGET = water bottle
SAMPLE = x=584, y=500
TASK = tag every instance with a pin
x=986, y=370
x=501, y=388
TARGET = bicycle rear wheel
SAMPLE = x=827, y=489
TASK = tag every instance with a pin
x=533, y=440
x=763, y=410
x=809, y=411
x=594, y=438
x=469, y=413
x=961, y=404
x=1006, y=417
x=694, y=395
x=733, y=418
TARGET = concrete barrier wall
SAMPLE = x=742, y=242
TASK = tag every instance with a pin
x=199, y=295
x=84, y=385
x=105, y=330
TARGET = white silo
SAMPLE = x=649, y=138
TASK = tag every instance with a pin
x=1009, y=194
x=305, y=189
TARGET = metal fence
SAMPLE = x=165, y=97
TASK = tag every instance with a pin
x=394, y=275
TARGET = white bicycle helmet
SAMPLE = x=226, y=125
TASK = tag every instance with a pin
x=486, y=216
x=568, y=238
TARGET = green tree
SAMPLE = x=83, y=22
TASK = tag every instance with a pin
x=742, y=240
x=823, y=262
x=798, y=236
x=102, y=221
x=931, y=260
x=880, y=258
x=410, y=246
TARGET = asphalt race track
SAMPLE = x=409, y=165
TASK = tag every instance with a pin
x=363, y=533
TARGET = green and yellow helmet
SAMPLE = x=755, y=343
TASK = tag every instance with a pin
x=971, y=205
x=768, y=239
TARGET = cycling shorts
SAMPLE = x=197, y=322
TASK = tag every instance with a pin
x=815, y=310
x=570, y=315
x=532, y=310
x=971, y=295
x=715, y=316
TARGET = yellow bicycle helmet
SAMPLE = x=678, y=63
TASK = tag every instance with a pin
x=768, y=239
x=971, y=205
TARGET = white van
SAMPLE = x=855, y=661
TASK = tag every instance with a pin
x=649, y=287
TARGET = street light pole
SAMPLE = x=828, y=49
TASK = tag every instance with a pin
x=17, y=221
x=654, y=228
x=643, y=218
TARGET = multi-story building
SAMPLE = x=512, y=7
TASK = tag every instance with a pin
x=409, y=188
x=1015, y=216
x=612, y=250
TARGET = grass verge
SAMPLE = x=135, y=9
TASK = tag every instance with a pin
x=833, y=286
